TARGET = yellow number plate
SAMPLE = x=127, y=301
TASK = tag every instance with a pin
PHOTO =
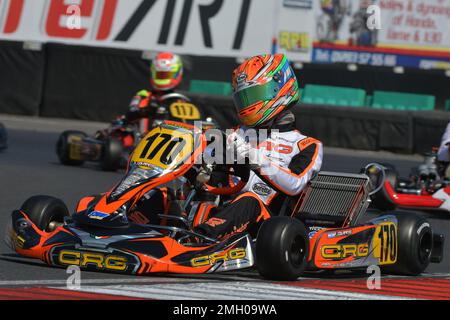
x=385, y=243
x=184, y=111
x=75, y=147
x=163, y=148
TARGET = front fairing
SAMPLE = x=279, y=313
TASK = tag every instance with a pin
x=135, y=177
x=163, y=156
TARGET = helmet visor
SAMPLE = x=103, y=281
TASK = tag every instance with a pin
x=251, y=95
x=165, y=75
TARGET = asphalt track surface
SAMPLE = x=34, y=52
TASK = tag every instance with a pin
x=30, y=166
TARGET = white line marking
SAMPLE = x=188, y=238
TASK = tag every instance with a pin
x=230, y=291
x=230, y=278
x=136, y=280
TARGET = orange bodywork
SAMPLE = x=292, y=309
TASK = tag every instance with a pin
x=329, y=252
x=147, y=263
x=137, y=193
x=48, y=242
x=142, y=249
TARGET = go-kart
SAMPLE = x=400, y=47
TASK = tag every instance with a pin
x=426, y=189
x=325, y=228
x=112, y=146
x=3, y=137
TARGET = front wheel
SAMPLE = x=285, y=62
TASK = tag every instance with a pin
x=46, y=212
x=282, y=248
x=415, y=245
x=112, y=153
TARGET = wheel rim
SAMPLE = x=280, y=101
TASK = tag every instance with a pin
x=425, y=246
x=297, y=251
x=53, y=225
x=54, y=222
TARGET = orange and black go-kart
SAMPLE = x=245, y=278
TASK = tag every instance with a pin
x=325, y=228
x=427, y=188
x=3, y=137
x=112, y=146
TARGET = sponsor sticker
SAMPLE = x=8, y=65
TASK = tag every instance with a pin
x=339, y=233
x=312, y=234
x=209, y=260
x=97, y=260
x=262, y=189
x=98, y=215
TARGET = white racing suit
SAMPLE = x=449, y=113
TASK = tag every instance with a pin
x=291, y=159
x=444, y=153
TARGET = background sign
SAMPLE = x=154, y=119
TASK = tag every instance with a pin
x=294, y=30
x=199, y=27
x=414, y=33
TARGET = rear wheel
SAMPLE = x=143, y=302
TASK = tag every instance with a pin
x=112, y=153
x=415, y=244
x=63, y=147
x=282, y=248
x=46, y=212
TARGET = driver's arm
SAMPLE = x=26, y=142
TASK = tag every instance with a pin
x=292, y=180
x=139, y=106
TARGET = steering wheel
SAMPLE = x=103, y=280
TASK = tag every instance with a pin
x=377, y=176
x=239, y=170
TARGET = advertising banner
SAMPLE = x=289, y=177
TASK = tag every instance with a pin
x=294, y=30
x=199, y=27
x=408, y=33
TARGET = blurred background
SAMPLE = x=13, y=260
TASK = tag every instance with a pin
x=374, y=76
x=362, y=87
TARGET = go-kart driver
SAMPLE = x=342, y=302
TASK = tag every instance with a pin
x=166, y=75
x=265, y=88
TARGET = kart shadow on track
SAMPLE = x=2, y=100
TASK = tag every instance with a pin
x=17, y=258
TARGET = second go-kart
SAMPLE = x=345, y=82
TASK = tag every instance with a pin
x=325, y=228
x=112, y=146
x=426, y=189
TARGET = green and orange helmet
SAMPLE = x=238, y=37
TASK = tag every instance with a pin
x=263, y=87
x=166, y=71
